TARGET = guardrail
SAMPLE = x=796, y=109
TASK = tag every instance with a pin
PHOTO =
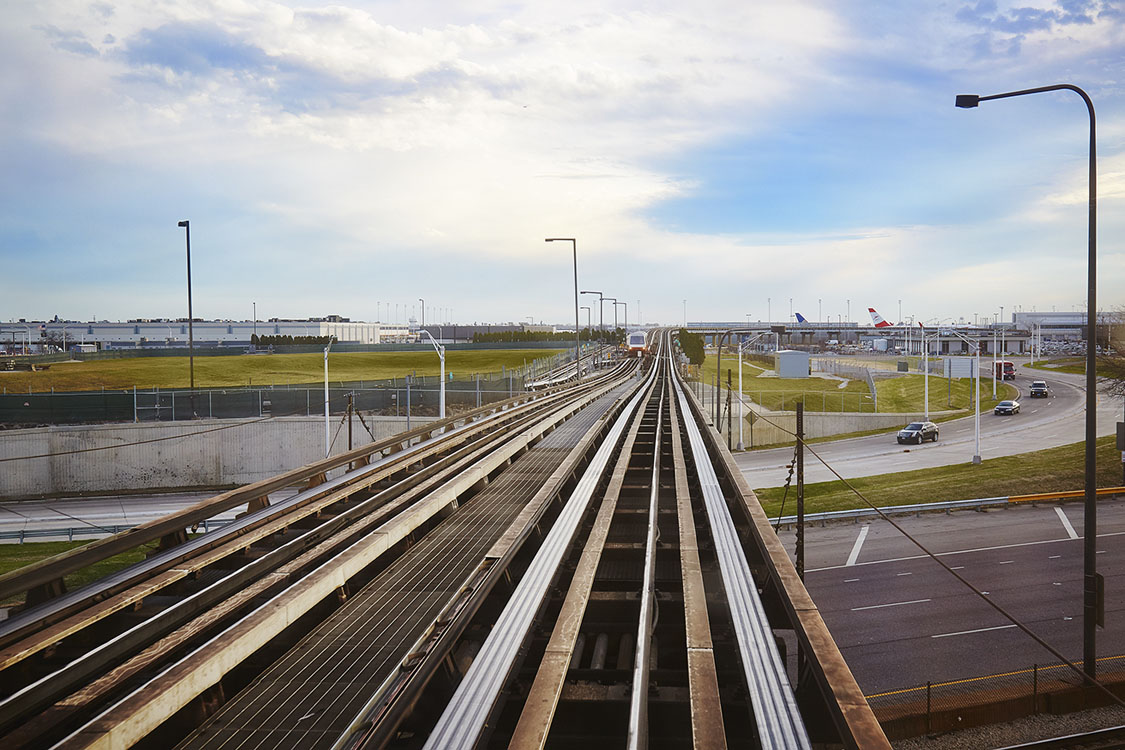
x=88, y=532
x=983, y=502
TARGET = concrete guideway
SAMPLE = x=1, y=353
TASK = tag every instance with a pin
x=1042, y=423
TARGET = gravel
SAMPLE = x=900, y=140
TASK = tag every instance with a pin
x=1041, y=727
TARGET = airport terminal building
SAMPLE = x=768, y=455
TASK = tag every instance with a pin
x=40, y=336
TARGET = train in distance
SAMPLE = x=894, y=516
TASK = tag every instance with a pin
x=637, y=343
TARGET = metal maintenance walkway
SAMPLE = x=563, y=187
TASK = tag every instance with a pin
x=309, y=697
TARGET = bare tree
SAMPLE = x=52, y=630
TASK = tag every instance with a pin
x=1111, y=363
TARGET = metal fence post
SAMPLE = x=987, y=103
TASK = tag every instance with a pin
x=135, y=419
x=1035, y=690
x=210, y=402
x=173, y=406
x=928, y=686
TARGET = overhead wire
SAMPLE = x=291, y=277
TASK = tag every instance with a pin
x=1004, y=613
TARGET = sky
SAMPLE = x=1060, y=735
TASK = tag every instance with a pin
x=723, y=160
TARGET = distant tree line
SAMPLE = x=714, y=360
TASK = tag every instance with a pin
x=257, y=340
x=586, y=334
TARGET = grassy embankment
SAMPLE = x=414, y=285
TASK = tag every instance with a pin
x=1050, y=470
x=262, y=369
x=899, y=394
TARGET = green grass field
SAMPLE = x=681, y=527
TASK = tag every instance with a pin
x=260, y=369
x=13, y=556
x=899, y=394
x=1050, y=470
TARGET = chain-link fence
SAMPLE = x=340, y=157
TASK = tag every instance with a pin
x=957, y=704
x=395, y=397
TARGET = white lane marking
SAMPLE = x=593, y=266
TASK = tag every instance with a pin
x=1066, y=523
x=892, y=604
x=959, y=552
x=1006, y=562
x=857, y=546
x=904, y=574
x=850, y=580
x=958, y=567
x=1053, y=557
x=967, y=632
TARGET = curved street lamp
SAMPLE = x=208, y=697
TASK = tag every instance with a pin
x=1092, y=583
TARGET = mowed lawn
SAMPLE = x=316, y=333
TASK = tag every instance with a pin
x=898, y=394
x=262, y=369
x=1051, y=470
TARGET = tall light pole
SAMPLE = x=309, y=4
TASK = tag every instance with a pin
x=685, y=314
x=1090, y=577
x=587, y=309
x=327, y=440
x=577, y=346
x=849, y=311
x=769, y=314
x=423, y=302
x=976, y=395
x=441, y=356
x=190, y=336
x=601, y=310
x=614, y=301
x=626, y=306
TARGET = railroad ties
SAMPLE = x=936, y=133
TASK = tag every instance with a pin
x=578, y=567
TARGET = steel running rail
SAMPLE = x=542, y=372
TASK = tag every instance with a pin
x=776, y=714
x=638, y=703
x=468, y=710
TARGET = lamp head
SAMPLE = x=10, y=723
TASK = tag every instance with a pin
x=183, y=223
x=967, y=101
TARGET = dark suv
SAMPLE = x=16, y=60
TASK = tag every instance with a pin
x=916, y=432
x=1038, y=389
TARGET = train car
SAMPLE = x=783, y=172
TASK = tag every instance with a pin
x=637, y=344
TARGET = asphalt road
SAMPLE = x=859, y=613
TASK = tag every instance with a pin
x=901, y=620
x=1041, y=423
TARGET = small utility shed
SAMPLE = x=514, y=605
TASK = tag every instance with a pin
x=788, y=363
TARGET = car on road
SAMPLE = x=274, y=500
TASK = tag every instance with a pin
x=1007, y=407
x=1038, y=389
x=916, y=432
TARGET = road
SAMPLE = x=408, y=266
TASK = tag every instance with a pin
x=1041, y=423
x=901, y=620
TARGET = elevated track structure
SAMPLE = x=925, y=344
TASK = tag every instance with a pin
x=582, y=566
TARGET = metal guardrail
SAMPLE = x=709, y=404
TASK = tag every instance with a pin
x=87, y=532
x=983, y=502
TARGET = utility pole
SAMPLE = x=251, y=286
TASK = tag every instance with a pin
x=801, y=490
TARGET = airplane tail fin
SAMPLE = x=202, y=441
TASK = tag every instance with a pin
x=877, y=319
x=801, y=318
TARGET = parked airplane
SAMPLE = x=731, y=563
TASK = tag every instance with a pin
x=801, y=318
x=877, y=319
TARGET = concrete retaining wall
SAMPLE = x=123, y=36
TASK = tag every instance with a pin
x=178, y=454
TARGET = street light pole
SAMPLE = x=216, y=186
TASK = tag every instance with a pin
x=423, y=311
x=577, y=345
x=601, y=310
x=614, y=301
x=327, y=442
x=441, y=356
x=1091, y=579
x=190, y=336
x=587, y=309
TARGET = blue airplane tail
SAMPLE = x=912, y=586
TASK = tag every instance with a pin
x=800, y=318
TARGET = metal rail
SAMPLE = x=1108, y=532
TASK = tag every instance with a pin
x=776, y=714
x=638, y=703
x=468, y=710
x=444, y=490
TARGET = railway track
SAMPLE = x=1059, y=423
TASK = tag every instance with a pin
x=579, y=567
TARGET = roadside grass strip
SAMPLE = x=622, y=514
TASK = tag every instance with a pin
x=1052, y=470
